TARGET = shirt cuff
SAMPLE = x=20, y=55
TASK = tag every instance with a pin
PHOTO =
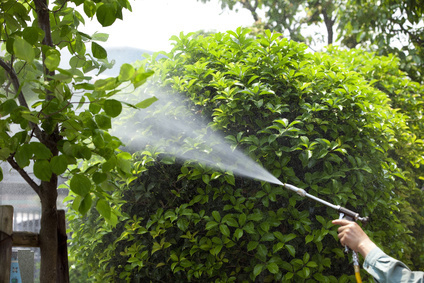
x=373, y=256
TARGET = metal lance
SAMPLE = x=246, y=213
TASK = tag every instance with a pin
x=344, y=213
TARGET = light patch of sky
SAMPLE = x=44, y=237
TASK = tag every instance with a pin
x=152, y=22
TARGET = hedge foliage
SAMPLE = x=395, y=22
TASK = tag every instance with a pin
x=344, y=125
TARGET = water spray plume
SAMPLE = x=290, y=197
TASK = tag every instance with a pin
x=172, y=128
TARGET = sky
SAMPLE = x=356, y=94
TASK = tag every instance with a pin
x=152, y=22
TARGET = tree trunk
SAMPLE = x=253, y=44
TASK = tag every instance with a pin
x=48, y=232
x=329, y=23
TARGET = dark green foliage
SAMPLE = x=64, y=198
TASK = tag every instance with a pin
x=318, y=121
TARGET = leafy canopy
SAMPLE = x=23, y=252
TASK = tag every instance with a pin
x=318, y=121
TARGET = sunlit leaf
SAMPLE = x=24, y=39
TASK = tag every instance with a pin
x=23, y=50
x=147, y=102
x=126, y=72
x=103, y=208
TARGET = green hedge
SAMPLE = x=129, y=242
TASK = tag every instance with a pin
x=325, y=122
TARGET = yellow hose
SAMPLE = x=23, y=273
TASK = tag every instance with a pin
x=357, y=274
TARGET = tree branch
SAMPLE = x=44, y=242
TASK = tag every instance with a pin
x=21, y=98
x=24, y=175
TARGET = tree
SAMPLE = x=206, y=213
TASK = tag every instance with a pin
x=318, y=121
x=389, y=26
x=46, y=123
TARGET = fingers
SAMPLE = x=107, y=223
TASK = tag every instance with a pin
x=341, y=222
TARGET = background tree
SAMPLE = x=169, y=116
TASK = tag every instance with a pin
x=318, y=121
x=390, y=26
x=46, y=124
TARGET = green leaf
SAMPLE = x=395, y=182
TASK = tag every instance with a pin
x=98, y=51
x=211, y=224
x=85, y=204
x=140, y=77
x=238, y=233
x=30, y=34
x=124, y=162
x=100, y=36
x=106, y=14
x=23, y=50
x=126, y=73
x=1, y=174
x=52, y=60
x=104, y=122
x=272, y=267
x=89, y=8
x=252, y=245
x=291, y=250
x=42, y=170
x=23, y=155
x=80, y=184
x=258, y=269
x=216, y=216
x=146, y=103
x=59, y=164
x=262, y=250
x=230, y=179
x=309, y=238
x=99, y=177
x=112, y=107
x=30, y=117
x=103, y=208
x=224, y=230
x=40, y=150
x=8, y=107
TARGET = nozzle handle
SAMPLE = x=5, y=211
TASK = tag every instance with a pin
x=355, y=216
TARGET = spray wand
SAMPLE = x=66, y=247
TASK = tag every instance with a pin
x=344, y=213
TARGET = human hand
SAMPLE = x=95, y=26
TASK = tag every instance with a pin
x=352, y=235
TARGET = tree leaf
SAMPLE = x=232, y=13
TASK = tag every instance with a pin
x=30, y=34
x=272, y=267
x=23, y=50
x=103, y=208
x=85, y=204
x=52, y=60
x=59, y=164
x=258, y=269
x=146, y=103
x=80, y=184
x=40, y=151
x=126, y=72
x=224, y=230
x=23, y=155
x=8, y=107
x=42, y=170
x=103, y=121
x=98, y=51
x=106, y=14
x=89, y=8
x=112, y=107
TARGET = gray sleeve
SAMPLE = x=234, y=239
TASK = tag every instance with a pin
x=387, y=269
